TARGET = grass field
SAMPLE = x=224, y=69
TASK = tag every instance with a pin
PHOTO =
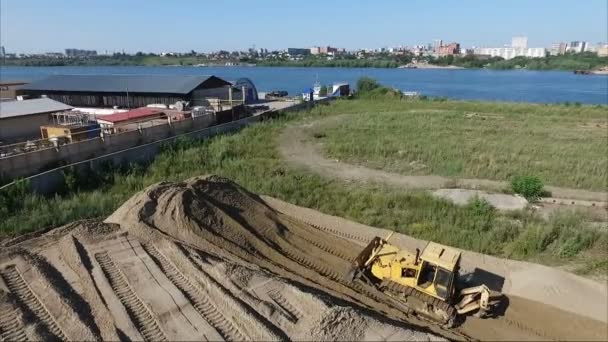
x=563, y=145
x=250, y=158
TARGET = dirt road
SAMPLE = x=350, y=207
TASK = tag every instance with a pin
x=297, y=147
x=207, y=260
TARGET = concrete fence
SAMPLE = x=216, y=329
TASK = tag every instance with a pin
x=145, y=147
x=26, y=164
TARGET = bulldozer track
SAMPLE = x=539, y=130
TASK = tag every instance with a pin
x=199, y=300
x=362, y=289
x=383, y=297
x=294, y=314
x=11, y=328
x=396, y=289
x=328, y=249
x=17, y=285
x=339, y=233
x=139, y=312
x=305, y=261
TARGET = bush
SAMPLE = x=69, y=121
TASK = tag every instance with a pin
x=323, y=91
x=480, y=207
x=366, y=84
x=565, y=237
x=531, y=187
x=13, y=197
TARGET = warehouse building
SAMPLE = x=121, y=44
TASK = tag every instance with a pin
x=250, y=91
x=21, y=120
x=8, y=89
x=128, y=91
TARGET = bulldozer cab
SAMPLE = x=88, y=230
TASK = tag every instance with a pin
x=438, y=265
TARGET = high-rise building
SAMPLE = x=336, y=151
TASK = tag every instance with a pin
x=519, y=42
x=558, y=49
x=577, y=46
x=298, y=52
x=323, y=50
x=508, y=52
x=437, y=45
x=2, y=51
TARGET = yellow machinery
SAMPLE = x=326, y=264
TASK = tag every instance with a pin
x=424, y=283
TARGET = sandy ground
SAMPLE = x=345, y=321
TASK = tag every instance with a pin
x=297, y=147
x=498, y=201
x=542, y=302
x=206, y=260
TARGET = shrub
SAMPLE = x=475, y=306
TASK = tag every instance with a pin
x=13, y=196
x=531, y=187
x=323, y=91
x=366, y=84
x=480, y=207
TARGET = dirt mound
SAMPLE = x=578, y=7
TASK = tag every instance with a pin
x=199, y=260
x=205, y=259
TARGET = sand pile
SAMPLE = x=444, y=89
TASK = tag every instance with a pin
x=186, y=261
x=205, y=259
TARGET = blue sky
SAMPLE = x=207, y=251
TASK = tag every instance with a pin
x=182, y=25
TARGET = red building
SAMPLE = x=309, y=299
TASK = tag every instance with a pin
x=450, y=49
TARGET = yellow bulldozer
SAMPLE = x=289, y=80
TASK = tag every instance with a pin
x=425, y=283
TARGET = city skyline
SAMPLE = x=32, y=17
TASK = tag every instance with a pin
x=155, y=26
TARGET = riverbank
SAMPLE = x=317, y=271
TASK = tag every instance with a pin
x=428, y=66
x=569, y=62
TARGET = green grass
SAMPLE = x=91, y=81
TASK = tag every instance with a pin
x=563, y=145
x=250, y=158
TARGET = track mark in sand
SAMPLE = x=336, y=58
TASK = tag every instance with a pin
x=25, y=296
x=11, y=328
x=325, y=247
x=141, y=315
x=340, y=233
x=522, y=326
x=199, y=300
x=294, y=314
x=308, y=263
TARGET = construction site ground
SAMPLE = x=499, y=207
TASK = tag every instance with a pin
x=207, y=260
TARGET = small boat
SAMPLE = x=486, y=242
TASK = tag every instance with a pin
x=411, y=93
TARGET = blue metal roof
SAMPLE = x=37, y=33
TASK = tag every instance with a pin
x=170, y=84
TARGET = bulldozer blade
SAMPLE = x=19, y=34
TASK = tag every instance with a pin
x=351, y=275
x=473, y=298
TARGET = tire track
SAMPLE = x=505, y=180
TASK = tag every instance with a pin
x=11, y=328
x=137, y=310
x=275, y=313
x=17, y=285
x=200, y=301
x=294, y=314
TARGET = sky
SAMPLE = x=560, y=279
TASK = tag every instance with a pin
x=31, y=26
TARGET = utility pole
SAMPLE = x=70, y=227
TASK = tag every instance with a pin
x=127, y=86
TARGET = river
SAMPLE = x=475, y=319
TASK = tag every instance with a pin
x=478, y=84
